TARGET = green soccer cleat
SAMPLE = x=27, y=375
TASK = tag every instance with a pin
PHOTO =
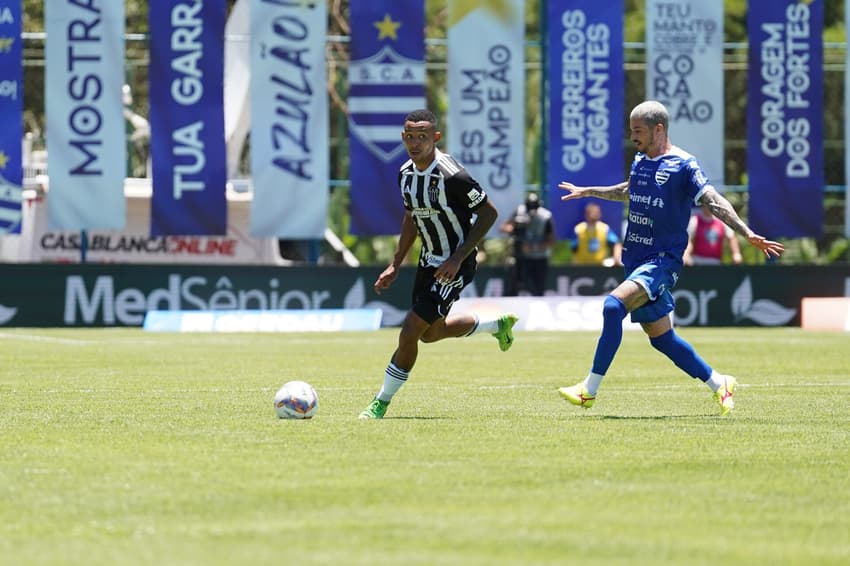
x=723, y=396
x=505, y=334
x=577, y=395
x=376, y=410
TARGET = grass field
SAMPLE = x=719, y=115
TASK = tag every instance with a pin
x=122, y=447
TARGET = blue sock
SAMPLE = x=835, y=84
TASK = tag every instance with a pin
x=682, y=354
x=613, y=313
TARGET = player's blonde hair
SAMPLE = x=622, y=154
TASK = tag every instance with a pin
x=651, y=112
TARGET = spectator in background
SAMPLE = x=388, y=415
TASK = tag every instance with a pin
x=138, y=140
x=533, y=234
x=705, y=240
x=593, y=242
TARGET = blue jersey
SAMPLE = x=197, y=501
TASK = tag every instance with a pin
x=662, y=192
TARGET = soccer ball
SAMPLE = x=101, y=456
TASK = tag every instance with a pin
x=296, y=400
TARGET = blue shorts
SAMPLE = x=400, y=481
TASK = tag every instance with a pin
x=657, y=277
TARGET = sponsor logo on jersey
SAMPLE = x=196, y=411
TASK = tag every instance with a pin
x=424, y=212
x=475, y=197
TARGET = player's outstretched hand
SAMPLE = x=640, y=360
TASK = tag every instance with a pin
x=770, y=248
x=385, y=279
x=574, y=191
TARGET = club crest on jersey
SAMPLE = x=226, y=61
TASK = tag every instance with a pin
x=661, y=176
x=434, y=191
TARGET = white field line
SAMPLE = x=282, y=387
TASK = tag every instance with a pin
x=748, y=385
x=51, y=339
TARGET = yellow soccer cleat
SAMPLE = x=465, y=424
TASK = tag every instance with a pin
x=577, y=395
x=723, y=396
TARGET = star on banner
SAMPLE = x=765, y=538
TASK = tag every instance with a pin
x=387, y=28
x=6, y=44
x=3, y=159
x=459, y=9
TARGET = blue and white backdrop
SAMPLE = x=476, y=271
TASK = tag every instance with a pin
x=11, y=114
x=785, y=147
x=684, y=71
x=289, y=106
x=486, y=93
x=187, y=118
x=586, y=120
x=84, y=75
x=386, y=78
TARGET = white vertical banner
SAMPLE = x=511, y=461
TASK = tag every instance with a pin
x=684, y=71
x=289, y=109
x=86, y=132
x=847, y=129
x=486, y=83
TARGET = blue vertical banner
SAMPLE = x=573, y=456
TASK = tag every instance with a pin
x=487, y=97
x=684, y=71
x=586, y=120
x=785, y=156
x=387, y=81
x=86, y=130
x=188, y=153
x=11, y=114
x=290, y=165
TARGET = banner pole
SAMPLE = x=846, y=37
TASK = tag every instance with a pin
x=84, y=245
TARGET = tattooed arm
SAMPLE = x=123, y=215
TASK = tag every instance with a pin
x=722, y=209
x=614, y=192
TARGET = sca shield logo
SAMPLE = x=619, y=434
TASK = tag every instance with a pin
x=379, y=80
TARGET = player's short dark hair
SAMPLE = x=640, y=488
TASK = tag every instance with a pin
x=422, y=115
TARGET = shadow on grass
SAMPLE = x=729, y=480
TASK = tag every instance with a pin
x=396, y=418
x=651, y=417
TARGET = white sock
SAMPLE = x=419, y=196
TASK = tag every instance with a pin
x=592, y=381
x=394, y=378
x=488, y=325
x=716, y=380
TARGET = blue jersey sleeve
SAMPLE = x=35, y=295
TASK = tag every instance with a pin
x=638, y=158
x=698, y=182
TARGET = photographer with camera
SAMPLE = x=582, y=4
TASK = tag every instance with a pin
x=533, y=234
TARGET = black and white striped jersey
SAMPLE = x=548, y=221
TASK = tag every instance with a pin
x=441, y=200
